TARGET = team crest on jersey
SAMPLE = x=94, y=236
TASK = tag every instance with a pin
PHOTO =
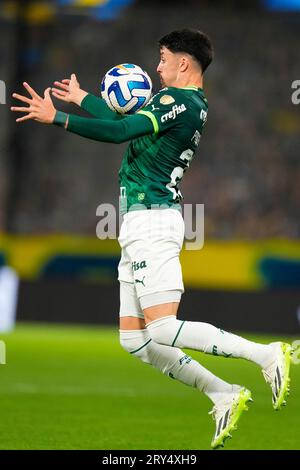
x=167, y=99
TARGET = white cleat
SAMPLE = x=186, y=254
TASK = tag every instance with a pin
x=277, y=374
x=227, y=412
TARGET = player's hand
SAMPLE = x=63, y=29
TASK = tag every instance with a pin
x=39, y=109
x=69, y=90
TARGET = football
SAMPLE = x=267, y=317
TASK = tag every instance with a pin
x=126, y=88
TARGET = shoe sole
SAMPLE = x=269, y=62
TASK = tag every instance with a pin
x=285, y=389
x=238, y=407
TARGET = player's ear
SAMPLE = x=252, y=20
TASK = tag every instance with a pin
x=183, y=63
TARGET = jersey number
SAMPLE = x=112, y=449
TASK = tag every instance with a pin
x=177, y=173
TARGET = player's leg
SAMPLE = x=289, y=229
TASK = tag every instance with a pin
x=174, y=363
x=134, y=336
x=229, y=400
x=274, y=358
x=171, y=361
x=159, y=286
x=165, y=328
x=156, y=239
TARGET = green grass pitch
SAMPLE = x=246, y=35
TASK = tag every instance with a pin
x=70, y=387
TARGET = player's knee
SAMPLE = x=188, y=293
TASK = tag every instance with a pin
x=160, y=336
x=164, y=330
x=125, y=344
x=135, y=343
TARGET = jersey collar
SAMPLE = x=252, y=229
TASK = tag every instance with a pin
x=191, y=87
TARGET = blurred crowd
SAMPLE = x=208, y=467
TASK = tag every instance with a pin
x=248, y=171
x=247, y=168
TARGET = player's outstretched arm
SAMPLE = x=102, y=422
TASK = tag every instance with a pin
x=42, y=110
x=69, y=90
x=116, y=132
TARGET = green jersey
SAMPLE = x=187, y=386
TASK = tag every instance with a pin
x=163, y=138
x=154, y=164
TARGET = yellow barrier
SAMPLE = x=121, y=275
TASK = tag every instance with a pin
x=219, y=265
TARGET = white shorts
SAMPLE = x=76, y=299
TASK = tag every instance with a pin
x=149, y=269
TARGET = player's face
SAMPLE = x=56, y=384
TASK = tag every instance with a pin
x=168, y=67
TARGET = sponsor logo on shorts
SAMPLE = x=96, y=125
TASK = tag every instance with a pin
x=140, y=281
x=139, y=265
x=176, y=109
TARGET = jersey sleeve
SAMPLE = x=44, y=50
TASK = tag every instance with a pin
x=165, y=110
x=105, y=130
x=97, y=107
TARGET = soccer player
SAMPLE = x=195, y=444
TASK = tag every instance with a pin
x=163, y=138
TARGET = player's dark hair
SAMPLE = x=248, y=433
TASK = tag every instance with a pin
x=192, y=41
